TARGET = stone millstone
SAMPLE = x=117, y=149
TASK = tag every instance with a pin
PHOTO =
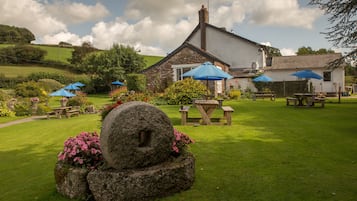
x=136, y=134
x=143, y=184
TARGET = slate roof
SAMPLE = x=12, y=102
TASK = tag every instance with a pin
x=303, y=61
x=192, y=47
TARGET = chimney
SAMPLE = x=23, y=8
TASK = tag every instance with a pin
x=203, y=19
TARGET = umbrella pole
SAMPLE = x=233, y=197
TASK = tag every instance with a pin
x=207, y=90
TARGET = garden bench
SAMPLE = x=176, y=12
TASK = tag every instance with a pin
x=72, y=112
x=227, y=114
x=317, y=100
x=264, y=95
x=184, y=114
x=52, y=114
x=291, y=100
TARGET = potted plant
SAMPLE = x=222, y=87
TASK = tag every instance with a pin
x=80, y=155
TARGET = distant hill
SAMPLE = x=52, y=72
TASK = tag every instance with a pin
x=62, y=54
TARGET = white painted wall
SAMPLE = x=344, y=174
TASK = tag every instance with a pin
x=337, y=79
x=236, y=52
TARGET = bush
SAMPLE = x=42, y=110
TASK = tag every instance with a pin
x=21, y=54
x=82, y=151
x=118, y=92
x=55, y=76
x=22, y=109
x=184, y=91
x=133, y=96
x=42, y=109
x=136, y=82
x=3, y=95
x=50, y=84
x=235, y=94
x=30, y=89
x=4, y=111
x=180, y=143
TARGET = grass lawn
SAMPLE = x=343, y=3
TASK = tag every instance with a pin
x=271, y=152
x=56, y=53
x=24, y=71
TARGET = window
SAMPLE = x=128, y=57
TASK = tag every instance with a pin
x=179, y=70
x=327, y=76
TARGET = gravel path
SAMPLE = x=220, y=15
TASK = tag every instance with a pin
x=19, y=121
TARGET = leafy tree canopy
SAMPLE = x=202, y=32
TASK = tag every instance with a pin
x=79, y=53
x=342, y=32
x=11, y=34
x=114, y=64
x=308, y=50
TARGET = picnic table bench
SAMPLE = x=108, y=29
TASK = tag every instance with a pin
x=319, y=100
x=185, y=120
x=291, y=100
x=63, y=111
x=263, y=94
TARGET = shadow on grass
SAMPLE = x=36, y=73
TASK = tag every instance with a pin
x=27, y=173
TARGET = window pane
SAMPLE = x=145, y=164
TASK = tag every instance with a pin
x=327, y=76
x=178, y=74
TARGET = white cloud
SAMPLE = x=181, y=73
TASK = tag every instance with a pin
x=72, y=12
x=280, y=13
x=287, y=52
x=66, y=37
x=149, y=25
x=31, y=15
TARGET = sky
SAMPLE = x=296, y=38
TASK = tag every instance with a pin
x=157, y=27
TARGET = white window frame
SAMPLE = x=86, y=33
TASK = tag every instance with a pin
x=182, y=66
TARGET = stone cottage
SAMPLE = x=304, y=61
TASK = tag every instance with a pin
x=228, y=51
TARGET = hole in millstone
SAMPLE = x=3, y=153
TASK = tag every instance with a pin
x=144, y=138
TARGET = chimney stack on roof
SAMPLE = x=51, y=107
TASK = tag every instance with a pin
x=203, y=19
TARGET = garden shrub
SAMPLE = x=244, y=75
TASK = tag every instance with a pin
x=184, y=91
x=235, y=94
x=79, y=100
x=133, y=96
x=42, y=109
x=30, y=89
x=50, y=85
x=179, y=145
x=22, y=109
x=21, y=54
x=3, y=95
x=136, y=82
x=4, y=111
x=114, y=94
x=55, y=76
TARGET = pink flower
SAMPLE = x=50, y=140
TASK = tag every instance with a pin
x=82, y=151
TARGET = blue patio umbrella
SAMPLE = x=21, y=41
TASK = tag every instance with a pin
x=71, y=87
x=62, y=92
x=117, y=82
x=207, y=71
x=307, y=74
x=79, y=84
x=262, y=78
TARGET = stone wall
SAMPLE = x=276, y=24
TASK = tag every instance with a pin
x=161, y=76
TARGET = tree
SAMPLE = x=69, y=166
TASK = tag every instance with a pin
x=11, y=34
x=107, y=66
x=79, y=53
x=128, y=57
x=21, y=54
x=343, y=32
x=308, y=50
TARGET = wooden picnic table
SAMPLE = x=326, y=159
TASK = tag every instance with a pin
x=206, y=108
x=63, y=111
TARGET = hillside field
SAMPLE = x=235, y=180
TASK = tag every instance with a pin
x=62, y=54
x=24, y=71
